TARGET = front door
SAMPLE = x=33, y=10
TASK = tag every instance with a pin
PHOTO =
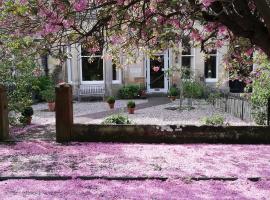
x=156, y=73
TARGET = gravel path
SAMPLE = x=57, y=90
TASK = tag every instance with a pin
x=96, y=112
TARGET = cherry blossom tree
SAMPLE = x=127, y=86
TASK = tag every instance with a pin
x=125, y=25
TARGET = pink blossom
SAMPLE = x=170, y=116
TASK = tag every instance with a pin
x=80, y=5
x=207, y=3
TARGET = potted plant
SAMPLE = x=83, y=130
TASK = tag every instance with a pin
x=111, y=101
x=131, y=107
x=49, y=96
x=26, y=116
x=173, y=92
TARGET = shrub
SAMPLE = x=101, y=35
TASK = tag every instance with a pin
x=212, y=96
x=193, y=90
x=215, y=120
x=117, y=119
x=259, y=116
x=131, y=104
x=26, y=114
x=110, y=100
x=48, y=94
x=173, y=92
x=129, y=92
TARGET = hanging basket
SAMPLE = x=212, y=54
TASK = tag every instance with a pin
x=156, y=68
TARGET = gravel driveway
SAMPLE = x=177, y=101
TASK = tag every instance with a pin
x=86, y=112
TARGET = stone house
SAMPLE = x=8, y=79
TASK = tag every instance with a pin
x=150, y=73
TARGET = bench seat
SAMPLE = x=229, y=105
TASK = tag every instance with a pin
x=91, y=90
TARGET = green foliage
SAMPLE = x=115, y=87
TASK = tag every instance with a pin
x=193, y=90
x=40, y=84
x=117, y=119
x=259, y=116
x=110, y=100
x=28, y=112
x=48, y=94
x=129, y=92
x=212, y=96
x=260, y=90
x=215, y=120
x=131, y=104
x=173, y=92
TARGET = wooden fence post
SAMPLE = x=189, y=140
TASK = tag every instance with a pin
x=4, y=124
x=63, y=112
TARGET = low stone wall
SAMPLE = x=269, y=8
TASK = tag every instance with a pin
x=171, y=134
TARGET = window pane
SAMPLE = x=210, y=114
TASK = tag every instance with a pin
x=93, y=70
x=210, y=67
x=186, y=47
x=115, y=77
x=186, y=66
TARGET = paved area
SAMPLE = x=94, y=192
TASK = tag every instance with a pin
x=155, y=110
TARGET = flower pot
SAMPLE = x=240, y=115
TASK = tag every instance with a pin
x=51, y=106
x=131, y=110
x=172, y=98
x=111, y=105
x=28, y=120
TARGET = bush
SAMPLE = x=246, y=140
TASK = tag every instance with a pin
x=48, y=94
x=215, y=120
x=117, y=119
x=110, y=100
x=28, y=112
x=131, y=104
x=212, y=96
x=193, y=90
x=259, y=116
x=173, y=92
x=129, y=92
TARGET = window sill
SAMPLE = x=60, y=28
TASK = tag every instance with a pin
x=211, y=80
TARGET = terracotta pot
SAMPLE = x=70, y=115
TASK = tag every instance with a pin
x=28, y=120
x=173, y=98
x=51, y=106
x=111, y=105
x=131, y=110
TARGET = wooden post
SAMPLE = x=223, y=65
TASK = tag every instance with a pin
x=63, y=112
x=4, y=124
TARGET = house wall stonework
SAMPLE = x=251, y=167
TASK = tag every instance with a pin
x=136, y=73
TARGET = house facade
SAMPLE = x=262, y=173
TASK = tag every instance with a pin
x=156, y=74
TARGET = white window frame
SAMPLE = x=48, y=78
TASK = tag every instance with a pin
x=69, y=64
x=81, y=75
x=192, y=56
x=213, y=80
x=119, y=71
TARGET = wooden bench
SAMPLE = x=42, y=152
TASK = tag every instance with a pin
x=91, y=90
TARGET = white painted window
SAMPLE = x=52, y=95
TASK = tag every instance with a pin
x=116, y=74
x=187, y=59
x=69, y=64
x=92, y=68
x=211, y=67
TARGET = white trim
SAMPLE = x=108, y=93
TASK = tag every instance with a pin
x=69, y=65
x=213, y=80
x=192, y=56
x=166, y=82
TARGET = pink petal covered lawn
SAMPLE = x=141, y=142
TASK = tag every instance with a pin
x=135, y=190
x=42, y=158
